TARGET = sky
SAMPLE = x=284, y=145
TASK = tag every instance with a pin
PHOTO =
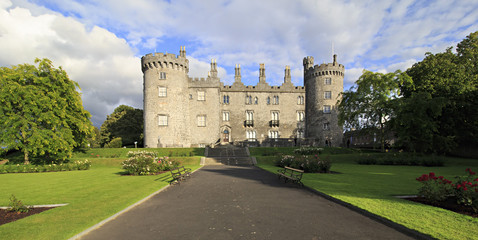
x=100, y=43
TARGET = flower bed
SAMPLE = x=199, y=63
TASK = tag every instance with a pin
x=30, y=168
x=437, y=189
x=147, y=163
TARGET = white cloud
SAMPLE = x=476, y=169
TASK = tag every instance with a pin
x=100, y=42
x=103, y=64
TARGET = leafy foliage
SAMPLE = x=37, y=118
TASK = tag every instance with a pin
x=147, y=163
x=310, y=164
x=41, y=111
x=17, y=205
x=438, y=110
x=126, y=123
x=403, y=159
x=114, y=143
x=30, y=168
x=368, y=104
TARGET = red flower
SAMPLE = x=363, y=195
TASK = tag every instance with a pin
x=432, y=174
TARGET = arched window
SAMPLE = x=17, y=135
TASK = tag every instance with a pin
x=256, y=100
x=268, y=100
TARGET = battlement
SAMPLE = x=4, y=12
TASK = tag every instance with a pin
x=204, y=82
x=323, y=69
x=262, y=88
x=166, y=60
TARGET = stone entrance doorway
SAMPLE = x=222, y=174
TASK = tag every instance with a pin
x=225, y=136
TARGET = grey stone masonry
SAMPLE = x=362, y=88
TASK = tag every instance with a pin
x=180, y=111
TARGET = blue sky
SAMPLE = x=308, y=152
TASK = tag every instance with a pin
x=100, y=43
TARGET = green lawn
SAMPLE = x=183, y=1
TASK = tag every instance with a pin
x=92, y=196
x=373, y=187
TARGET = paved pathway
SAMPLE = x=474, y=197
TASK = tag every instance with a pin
x=234, y=202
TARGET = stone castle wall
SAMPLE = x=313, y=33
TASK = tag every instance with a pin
x=196, y=108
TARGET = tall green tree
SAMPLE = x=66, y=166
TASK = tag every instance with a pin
x=449, y=81
x=126, y=123
x=367, y=105
x=41, y=111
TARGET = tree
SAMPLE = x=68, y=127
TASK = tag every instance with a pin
x=368, y=104
x=449, y=81
x=41, y=111
x=94, y=138
x=126, y=123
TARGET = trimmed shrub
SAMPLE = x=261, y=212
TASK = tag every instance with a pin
x=147, y=163
x=30, y=168
x=308, y=164
x=114, y=143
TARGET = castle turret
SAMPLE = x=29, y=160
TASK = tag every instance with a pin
x=323, y=86
x=165, y=103
x=287, y=78
x=262, y=77
x=237, y=76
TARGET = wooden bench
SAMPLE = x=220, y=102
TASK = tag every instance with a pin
x=291, y=174
x=180, y=173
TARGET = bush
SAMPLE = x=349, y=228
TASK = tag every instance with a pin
x=147, y=163
x=30, y=168
x=466, y=190
x=438, y=189
x=114, y=143
x=308, y=164
x=308, y=150
x=284, y=160
x=16, y=205
x=434, y=189
x=401, y=159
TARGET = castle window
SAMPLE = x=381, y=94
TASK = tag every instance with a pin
x=326, y=108
x=327, y=94
x=300, y=100
x=162, y=75
x=251, y=135
x=225, y=99
x=273, y=134
x=268, y=100
x=163, y=120
x=300, y=133
x=249, y=119
x=201, y=96
x=256, y=100
x=326, y=126
x=162, y=91
x=328, y=81
x=275, y=100
x=248, y=99
x=274, y=119
x=300, y=116
x=201, y=120
x=225, y=116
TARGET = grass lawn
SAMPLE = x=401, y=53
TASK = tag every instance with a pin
x=373, y=187
x=92, y=195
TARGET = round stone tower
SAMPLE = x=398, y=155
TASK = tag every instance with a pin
x=323, y=85
x=165, y=103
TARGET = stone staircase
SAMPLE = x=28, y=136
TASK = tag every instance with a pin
x=228, y=155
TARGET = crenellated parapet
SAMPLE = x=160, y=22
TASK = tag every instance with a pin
x=324, y=69
x=165, y=60
x=261, y=88
x=204, y=82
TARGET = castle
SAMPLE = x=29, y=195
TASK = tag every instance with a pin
x=180, y=111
